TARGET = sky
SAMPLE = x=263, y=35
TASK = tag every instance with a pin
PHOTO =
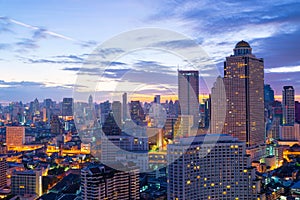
x=73, y=48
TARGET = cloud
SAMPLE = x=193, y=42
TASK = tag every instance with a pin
x=5, y=25
x=4, y=46
x=20, y=83
x=177, y=44
x=37, y=34
x=27, y=44
x=287, y=69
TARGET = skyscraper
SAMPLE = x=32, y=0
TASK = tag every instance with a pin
x=244, y=86
x=188, y=94
x=3, y=170
x=288, y=105
x=218, y=106
x=116, y=107
x=124, y=107
x=268, y=94
x=67, y=107
x=209, y=169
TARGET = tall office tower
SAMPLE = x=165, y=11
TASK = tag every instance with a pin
x=218, y=106
x=213, y=166
x=91, y=102
x=103, y=182
x=244, y=86
x=3, y=170
x=136, y=112
x=67, y=107
x=188, y=94
x=124, y=107
x=297, y=111
x=26, y=183
x=288, y=105
x=116, y=108
x=55, y=125
x=104, y=110
x=15, y=136
x=35, y=106
x=268, y=94
x=157, y=99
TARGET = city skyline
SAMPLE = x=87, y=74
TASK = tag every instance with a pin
x=42, y=54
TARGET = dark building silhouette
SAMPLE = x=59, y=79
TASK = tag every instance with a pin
x=67, y=107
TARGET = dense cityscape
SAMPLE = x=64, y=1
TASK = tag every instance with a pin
x=237, y=143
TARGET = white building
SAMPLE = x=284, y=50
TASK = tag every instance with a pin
x=213, y=166
x=102, y=182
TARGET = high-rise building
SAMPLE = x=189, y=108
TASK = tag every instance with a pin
x=103, y=182
x=3, y=171
x=110, y=126
x=188, y=94
x=27, y=183
x=56, y=126
x=91, y=102
x=288, y=105
x=157, y=99
x=67, y=107
x=209, y=167
x=124, y=107
x=136, y=112
x=297, y=111
x=244, y=86
x=268, y=94
x=218, y=106
x=116, y=107
x=15, y=136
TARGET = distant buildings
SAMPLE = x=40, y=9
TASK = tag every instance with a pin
x=26, y=183
x=102, y=182
x=244, y=85
x=209, y=167
x=188, y=94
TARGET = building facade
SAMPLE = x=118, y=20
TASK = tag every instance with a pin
x=244, y=85
x=67, y=107
x=26, y=183
x=211, y=167
x=3, y=171
x=102, y=182
x=15, y=136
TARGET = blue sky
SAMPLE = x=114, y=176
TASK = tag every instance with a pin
x=44, y=44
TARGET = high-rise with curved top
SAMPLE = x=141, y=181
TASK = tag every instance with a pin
x=244, y=85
